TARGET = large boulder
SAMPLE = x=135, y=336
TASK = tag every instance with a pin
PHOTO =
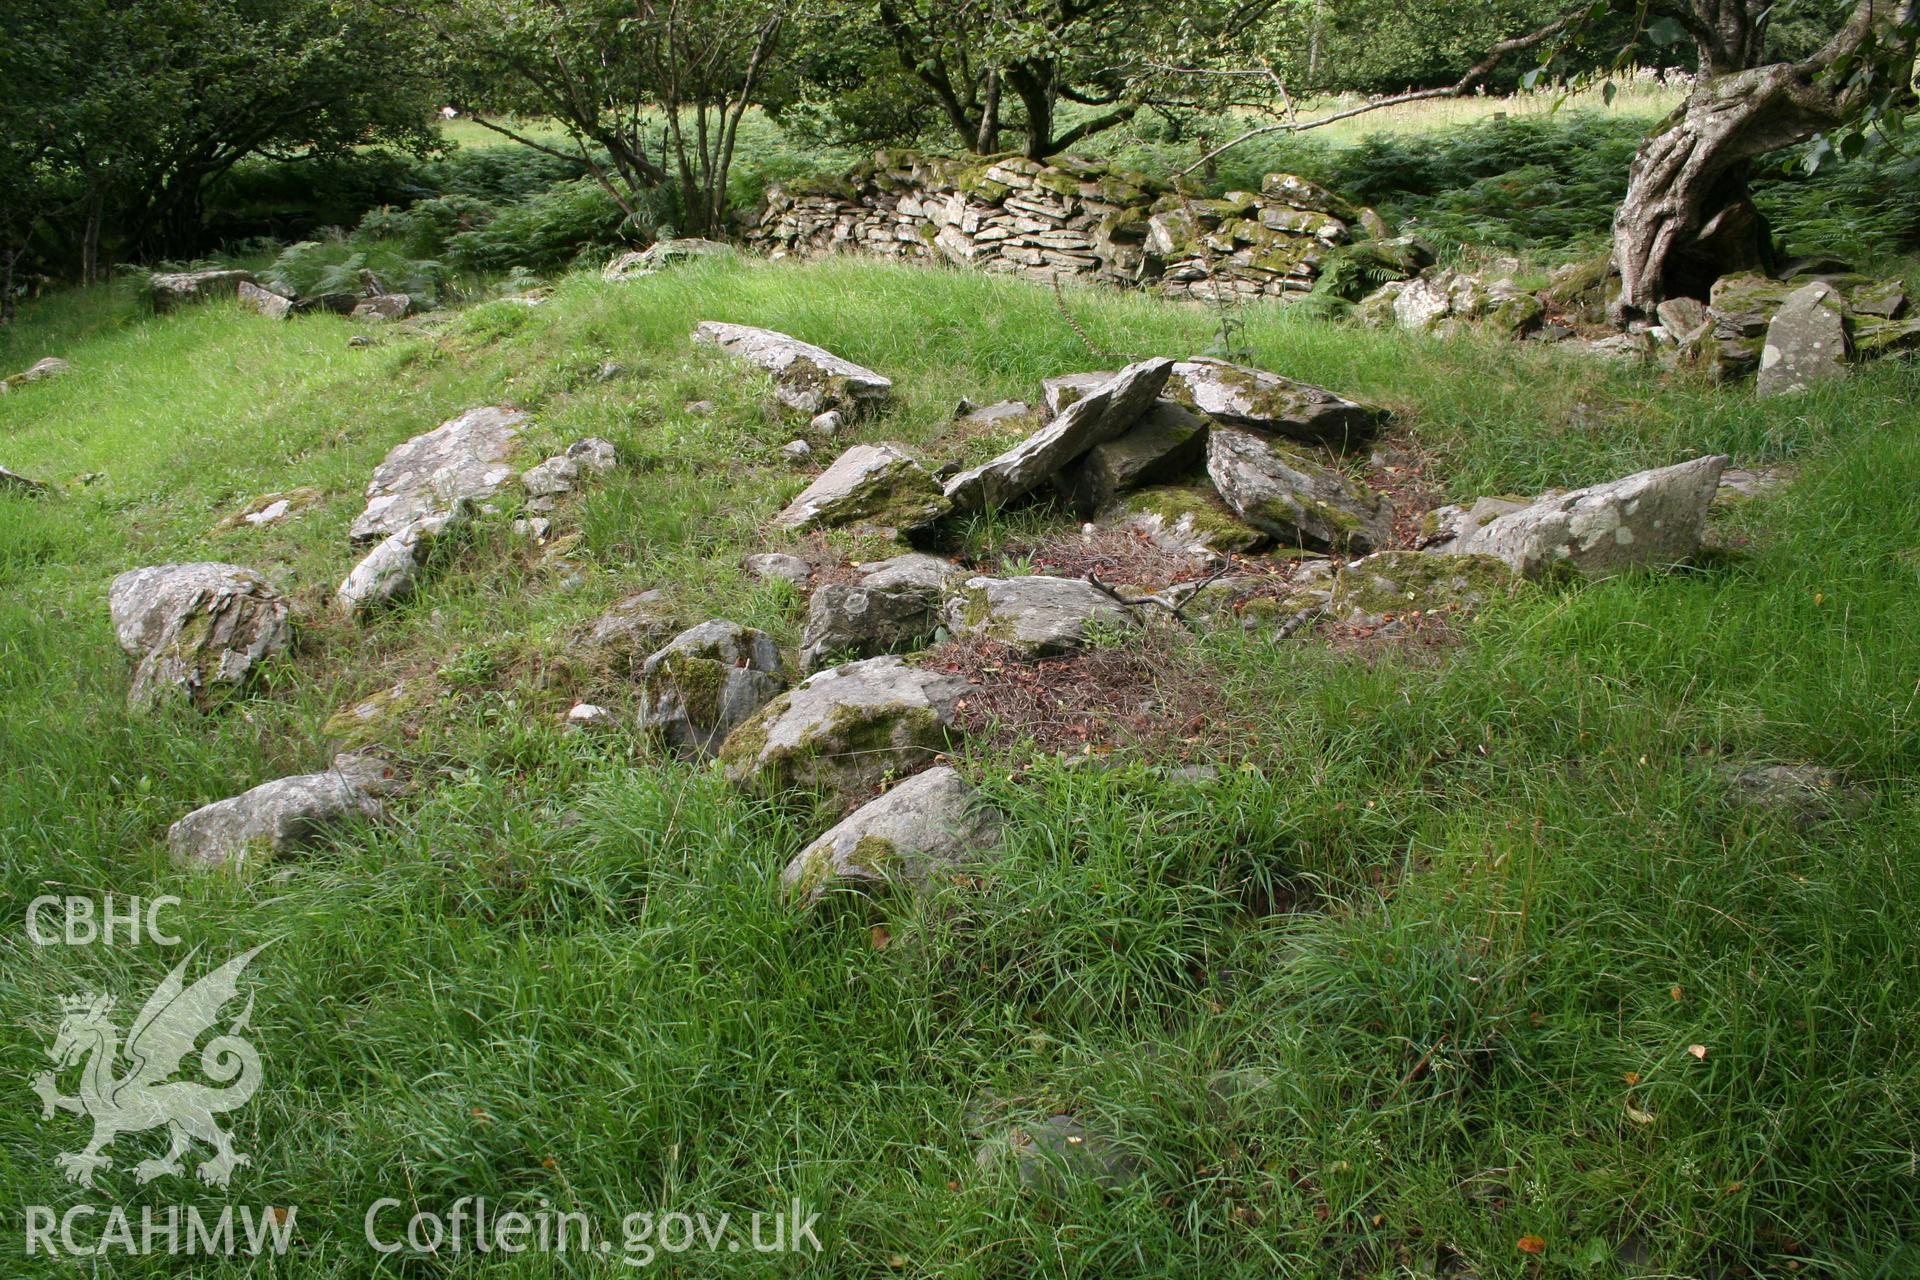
x=170, y=289
x=806, y=378
x=398, y=563
x=876, y=485
x=1165, y=443
x=1037, y=616
x=1282, y=491
x=1806, y=342
x=844, y=729
x=1186, y=520
x=929, y=821
x=1651, y=518
x=197, y=628
x=285, y=812
x=1099, y=416
x=705, y=683
x=1243, y=397
x=465, y=457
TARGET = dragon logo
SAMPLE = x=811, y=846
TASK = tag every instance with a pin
x=143, y=1097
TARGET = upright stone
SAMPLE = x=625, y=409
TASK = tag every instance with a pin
x=1806, y=342
x=1281, y=491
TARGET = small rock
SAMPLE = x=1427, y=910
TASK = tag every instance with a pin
x=1806, y=794
x=591, y=453
x=827, y=423
x=796, y=451
x=286, y=812
x=1169, y=440
x=859, y=620
x=273, y=306
x=1751, y=482
x=41, y=370
x=556, y=476
x=1183, y=519
x=807, y=378
x=1037, y=616
x=778, y=564
x=14, y=482
x=272, y=508
x=662, y=254
x=196, y=628
x=1061, y=391
x=359, y=340
x=910, y=569
x=870, y=484
x=1058, y=1153
x=397, y=566
x=532, y=528
x=929, y=821
x=705, y=682
x=1283, y=492
x=586, y=713
x=1687, y=319
x=632, y=629
x=699, y=408
x=841, y=731
x=383, y=306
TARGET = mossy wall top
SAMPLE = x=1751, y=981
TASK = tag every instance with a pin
x=1071, y=217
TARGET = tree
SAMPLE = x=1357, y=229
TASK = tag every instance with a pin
x=613, y=72
x=118, y=113
x=1686, y=217
x=995, y=65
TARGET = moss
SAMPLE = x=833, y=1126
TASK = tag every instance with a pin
x=1514, y=316
x=1402, y=581
x=1058, y=182
x=1197, y=512
x=834, y=186
x=698, y=683
x=902, y=495
x=928, y=232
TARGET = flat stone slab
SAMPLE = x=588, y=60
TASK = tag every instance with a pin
x=1095, y=418
x=465, y=457
x=1186, y=520
x=843, y=730
x=1651, y=518
x=1037, y=616
x=806, y=378
x=1241, y=396
x=170, y=289
x=929, y=821
x=1283, y=492
x=283, y=813
x=870, y=484
x=196, y=628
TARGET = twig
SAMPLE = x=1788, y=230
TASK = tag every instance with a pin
x=1177, y=610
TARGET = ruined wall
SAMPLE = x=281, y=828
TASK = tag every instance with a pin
x=1069, y=218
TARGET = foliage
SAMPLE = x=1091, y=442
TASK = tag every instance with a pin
x=551, y=229
x=328, y=268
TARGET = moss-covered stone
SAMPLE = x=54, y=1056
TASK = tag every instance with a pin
x=1400, y=582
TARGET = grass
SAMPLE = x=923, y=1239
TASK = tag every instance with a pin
x=1465, y=916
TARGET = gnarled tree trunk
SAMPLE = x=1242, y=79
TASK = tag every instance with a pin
x=1686, y=218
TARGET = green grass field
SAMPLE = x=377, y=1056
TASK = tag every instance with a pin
x=1465, y=908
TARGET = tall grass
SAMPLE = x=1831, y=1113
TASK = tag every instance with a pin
x=1464, y=915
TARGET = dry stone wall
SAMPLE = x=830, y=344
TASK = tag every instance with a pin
x=1069, y=218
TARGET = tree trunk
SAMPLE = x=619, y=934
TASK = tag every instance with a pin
x=1686, y=218
x=7, y=306
x=1033, y=85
